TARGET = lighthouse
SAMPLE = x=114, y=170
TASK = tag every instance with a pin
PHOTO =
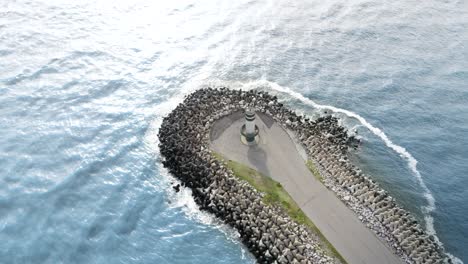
x=249, y=130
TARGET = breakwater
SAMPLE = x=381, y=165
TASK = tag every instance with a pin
x=269, y=233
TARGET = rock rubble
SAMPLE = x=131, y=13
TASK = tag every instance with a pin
x=271, y=235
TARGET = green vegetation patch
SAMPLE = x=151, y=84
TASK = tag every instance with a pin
x=310, y=164
x=276, y=195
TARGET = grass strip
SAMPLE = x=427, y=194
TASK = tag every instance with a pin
x=310, y=164
x=275, y=194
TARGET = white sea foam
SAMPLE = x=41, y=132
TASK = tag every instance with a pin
x=184, y=200
x=454, y=259
x=411, y=161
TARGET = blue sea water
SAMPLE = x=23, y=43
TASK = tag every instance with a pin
x=84, y=86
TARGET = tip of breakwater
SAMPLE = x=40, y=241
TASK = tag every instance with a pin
x=184, y=144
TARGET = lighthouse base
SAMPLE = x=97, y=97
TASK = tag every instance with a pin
x=250, y=139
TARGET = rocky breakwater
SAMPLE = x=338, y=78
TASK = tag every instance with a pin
x=327, y=145
x=269, y=233
x=184, y=143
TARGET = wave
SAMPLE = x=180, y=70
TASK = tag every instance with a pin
x=183, y=200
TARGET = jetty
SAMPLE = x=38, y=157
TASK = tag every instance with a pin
x=326, y=212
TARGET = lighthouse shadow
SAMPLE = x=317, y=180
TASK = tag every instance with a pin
x=258, y=158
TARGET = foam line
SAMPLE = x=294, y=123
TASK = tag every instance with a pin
x=411, y=161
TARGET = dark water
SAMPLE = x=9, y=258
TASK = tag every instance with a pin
x=83, y=88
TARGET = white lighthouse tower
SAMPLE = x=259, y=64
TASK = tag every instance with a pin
x=249, y=130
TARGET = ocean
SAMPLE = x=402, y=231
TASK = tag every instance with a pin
x=84, y=86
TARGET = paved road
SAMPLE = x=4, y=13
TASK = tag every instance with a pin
x=278, y=157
